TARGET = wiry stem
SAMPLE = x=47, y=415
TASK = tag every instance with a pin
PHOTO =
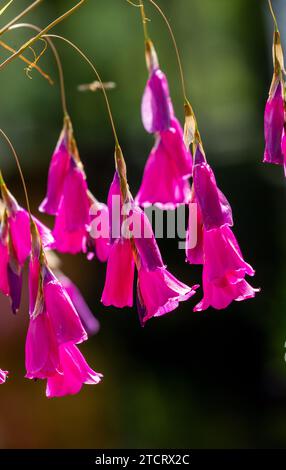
x=82, y=54
x=19, y=169
x=44, y=31
x=58, y=61
x=27, y=61
x=17, y=18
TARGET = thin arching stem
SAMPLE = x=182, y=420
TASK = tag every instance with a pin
x=19, y=169
x=57, y=58
x=175, y=46
x=41, y=34
x=81, y=53
x=273, y=15
x=21, y=15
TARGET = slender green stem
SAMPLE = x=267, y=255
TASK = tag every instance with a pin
x=57, y=58
x=17, y=18
x=273, y=15
x=19, y=169
x=82, y=54
x=176, y=48
x=44, y=31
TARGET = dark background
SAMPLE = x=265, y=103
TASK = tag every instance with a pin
x=199, y=380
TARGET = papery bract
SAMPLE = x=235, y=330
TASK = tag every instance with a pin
x=73, y=373
x=273, y=125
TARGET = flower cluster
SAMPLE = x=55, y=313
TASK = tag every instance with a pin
x=56, y=322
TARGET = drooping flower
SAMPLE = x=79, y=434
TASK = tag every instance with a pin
x=3, y=376
x=70, y=201
x=274, y=115
x=170, y=162
x=273, y=124
x=90, y=323
x=158, y=291
x=71, y=226
x=224, y=268
x=58, y=171
x=54, y=329
x=73, y=372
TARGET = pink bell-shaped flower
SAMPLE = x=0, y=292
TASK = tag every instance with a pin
x=58, y=171
x=224, y=271
x=170, y=162
x=165, y=180
x=273, y=124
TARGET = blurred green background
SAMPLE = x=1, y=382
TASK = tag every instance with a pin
x=198, y=380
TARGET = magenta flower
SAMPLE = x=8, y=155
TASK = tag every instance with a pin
x=283, y=147
x=54, y=330
x=214, y=207
x=15, y=245
x=156, y=108
x=158, y=291
x=98, y=238
x=70, y=231
x=170, y=162
x=224, y=271
x=273, y=124
x=73, y=372
x=58, y=171
x=3, y=376
x=90, y=323
x=165, y=180
x=224, y=268
x=4, y=258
